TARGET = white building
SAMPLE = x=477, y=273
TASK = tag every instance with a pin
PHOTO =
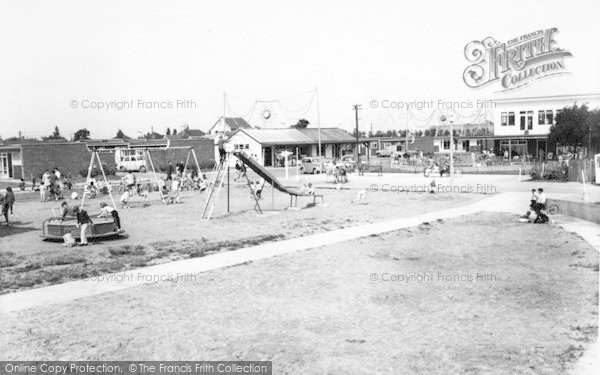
x=266, y=145
x=521, y=127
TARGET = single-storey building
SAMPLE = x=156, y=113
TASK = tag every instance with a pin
x=266, y=145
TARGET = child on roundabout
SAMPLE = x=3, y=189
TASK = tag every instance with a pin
x=106, y=210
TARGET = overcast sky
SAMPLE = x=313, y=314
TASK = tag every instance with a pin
x=56, y=55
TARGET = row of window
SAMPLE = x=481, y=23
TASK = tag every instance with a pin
x=465, y=145
x=545, y=117
x=241, y=147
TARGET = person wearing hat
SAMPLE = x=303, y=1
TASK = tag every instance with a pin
x=106, y=210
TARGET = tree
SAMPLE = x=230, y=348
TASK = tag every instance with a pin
x=153, y=135
x=571, y=126
x=81, y=134
x=301, y=124
x=121, y=135
x=186, y=131
x=168, y=131
x=361, y=134
x=593, y=126
x=55, y=135
x=174, y=131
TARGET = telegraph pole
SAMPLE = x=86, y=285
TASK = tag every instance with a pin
x=356, y=108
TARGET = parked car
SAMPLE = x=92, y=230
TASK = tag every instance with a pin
x=383, y=153
x=312, y=165
x=132, y=163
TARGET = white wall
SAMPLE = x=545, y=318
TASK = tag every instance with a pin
x=254, y=148
x=535, y=105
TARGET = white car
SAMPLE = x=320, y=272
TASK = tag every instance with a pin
x=312, y=165
x=132, y=163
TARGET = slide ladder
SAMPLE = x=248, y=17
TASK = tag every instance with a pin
x=215, y=185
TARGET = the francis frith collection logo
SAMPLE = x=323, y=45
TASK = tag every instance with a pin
x=515, y=63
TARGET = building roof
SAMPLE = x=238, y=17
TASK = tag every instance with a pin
x=293, y=136
x=234, y=123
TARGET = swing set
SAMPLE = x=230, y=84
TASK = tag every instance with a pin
x=55, y=227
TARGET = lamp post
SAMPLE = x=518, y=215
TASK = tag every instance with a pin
x=356, y=108
x=451, y=119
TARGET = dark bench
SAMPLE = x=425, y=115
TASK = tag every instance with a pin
x=296, y=195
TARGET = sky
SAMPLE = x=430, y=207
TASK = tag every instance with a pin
x=61, y=61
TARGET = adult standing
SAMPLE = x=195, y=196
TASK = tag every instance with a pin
x=170, y=170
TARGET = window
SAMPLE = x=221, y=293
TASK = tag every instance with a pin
x=446, y=145
x=529, y=120
x=465, y=145
x=541, y=117
x=522, y=120
x=374, y=145
x=511, y=119
x=549, y=117
x=503, y=119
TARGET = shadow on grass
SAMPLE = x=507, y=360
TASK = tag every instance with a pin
x=16, y=227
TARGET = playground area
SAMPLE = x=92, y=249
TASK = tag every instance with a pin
x=451, y=295
x=157, y=233
x=520, y=300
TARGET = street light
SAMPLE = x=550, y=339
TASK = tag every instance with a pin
x=451, y=119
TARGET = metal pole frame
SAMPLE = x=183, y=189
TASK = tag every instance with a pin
x=162, y=197
x=318, y=121
x=89, y=175
x=109, y=187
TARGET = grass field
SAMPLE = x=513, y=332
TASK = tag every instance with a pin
x=322, y=311
x=159, y=233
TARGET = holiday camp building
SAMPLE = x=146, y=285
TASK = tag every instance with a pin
x=521, y=127
x=266, y=145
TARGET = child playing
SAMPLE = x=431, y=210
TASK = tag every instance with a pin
x=83, y=221
x=124, y=200
x=175, y=190
x=4, y=204
x=106, y=210
x=361, y=197
x=10, y=198
x=533, y=199
x=22, y=185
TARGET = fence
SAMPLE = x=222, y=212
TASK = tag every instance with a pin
x=553, y=169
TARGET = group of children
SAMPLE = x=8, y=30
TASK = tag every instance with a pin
x=84, y=221
x=52, y=185
x=537, y=208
